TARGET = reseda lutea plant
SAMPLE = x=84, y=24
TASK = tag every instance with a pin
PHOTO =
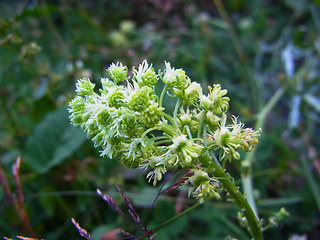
x=128, y=121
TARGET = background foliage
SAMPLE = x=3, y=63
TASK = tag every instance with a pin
x=253, y=48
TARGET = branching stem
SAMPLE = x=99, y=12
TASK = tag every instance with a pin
x=239, y=198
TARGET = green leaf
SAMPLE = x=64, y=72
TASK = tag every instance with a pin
x=313, y=101
x=52, y=141
x=35, y=12
x=99, y=231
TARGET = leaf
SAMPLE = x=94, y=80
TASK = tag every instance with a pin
x=35, y=12
x=294, y=117
x=52, y=141
x=145, y=197
x=313, y=101
x=103, y=230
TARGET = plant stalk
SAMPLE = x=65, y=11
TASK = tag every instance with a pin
x=239, y=198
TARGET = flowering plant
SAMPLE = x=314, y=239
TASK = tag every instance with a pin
x=128, y=121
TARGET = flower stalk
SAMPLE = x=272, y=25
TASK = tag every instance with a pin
x=254, y=225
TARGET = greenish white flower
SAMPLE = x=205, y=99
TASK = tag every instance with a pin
x=184, y=150
x=215, y=101
x=192, y=93
x=188, y=119
x=175, y=78
x=232, y=137
x=159, y=169
x=203, y=187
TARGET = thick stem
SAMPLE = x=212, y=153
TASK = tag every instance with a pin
x=201, y=124
x=239, y=198
x=248, y=189
x=162, y=95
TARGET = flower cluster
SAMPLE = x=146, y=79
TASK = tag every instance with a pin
x=232, y=137
x=127, y=120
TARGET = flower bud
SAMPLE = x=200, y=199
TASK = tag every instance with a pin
x=192, y=93
x=215, y=101
x=139, y=99
x=84, y=87
x=185, y=150
x=145, y=75
x=118, y=72
x=175, y=78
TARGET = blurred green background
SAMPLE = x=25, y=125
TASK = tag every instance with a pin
x=252, y=48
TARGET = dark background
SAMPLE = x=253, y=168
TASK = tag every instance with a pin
x=252, y=48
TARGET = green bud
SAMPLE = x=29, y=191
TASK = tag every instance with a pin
x=118, y=72
x=77, y=105
x=192, y=93
x=203, y=188
x=145, y=75
x=116, y=97
x=152, y=114
x=127, y=123
x=140, y=99
x=106, y=84
x=84, y=87
x=199, y=177
x=103, y=117
x=212, y=119
x=278, y=217
x=150, y=78
x=92, y=129
x=77, y=110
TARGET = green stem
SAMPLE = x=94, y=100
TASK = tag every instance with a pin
x=205, y=134
x=176, y=217
x=188, y=131
x=169, y=129
x=175, y=113
x=171, y=120
x=162, y=142
x=159, y=138
x=162, y=95
x=216, y=161
x=148, y=131
x=239, y=198
x=201, y=123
